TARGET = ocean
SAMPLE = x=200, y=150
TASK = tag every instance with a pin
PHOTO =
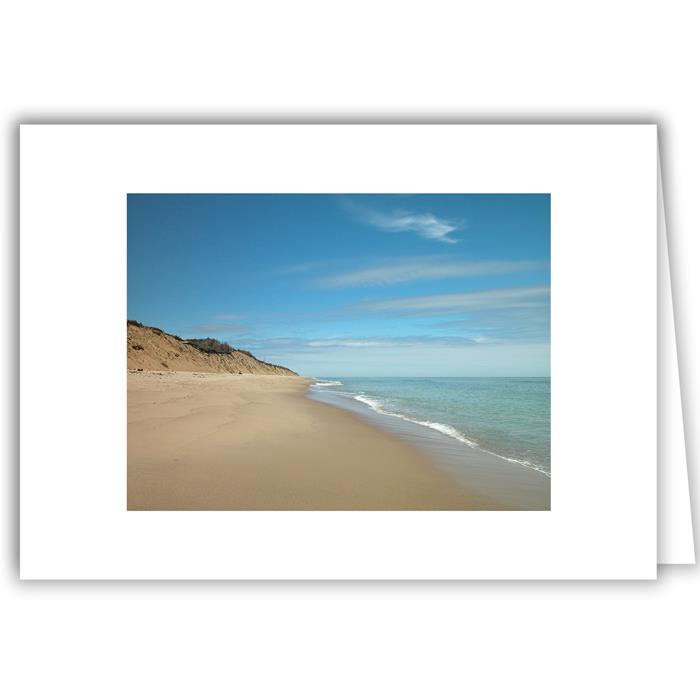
x=508, y=417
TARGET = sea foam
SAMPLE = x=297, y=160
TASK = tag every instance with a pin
x=377, y=406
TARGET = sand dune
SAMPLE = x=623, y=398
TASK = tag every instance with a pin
x=152, y=349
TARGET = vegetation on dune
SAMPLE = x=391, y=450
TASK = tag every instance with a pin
x=218, y=347
x=213, y=346
x=208, y=346
x=138, y=324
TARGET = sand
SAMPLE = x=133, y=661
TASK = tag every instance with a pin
x=199, y=441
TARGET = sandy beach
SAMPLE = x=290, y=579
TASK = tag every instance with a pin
x=199, y=441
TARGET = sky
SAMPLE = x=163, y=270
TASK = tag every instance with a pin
x=329, y=285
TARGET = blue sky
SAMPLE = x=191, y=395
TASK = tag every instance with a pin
x=350, y=285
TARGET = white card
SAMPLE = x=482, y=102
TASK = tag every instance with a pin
x=603, y=188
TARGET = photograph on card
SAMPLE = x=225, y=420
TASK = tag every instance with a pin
x=338, y=351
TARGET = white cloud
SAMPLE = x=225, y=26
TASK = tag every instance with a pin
x=516, y=298
x=308, y=344
x=425, y=224
x=227, y=317
x=422, y=269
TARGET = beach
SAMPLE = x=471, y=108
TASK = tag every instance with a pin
x=206, y=441
x=489, y=434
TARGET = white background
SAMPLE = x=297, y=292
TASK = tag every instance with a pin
x=438, y=60
x=73, y=240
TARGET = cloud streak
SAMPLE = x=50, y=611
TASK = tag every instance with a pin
x=425, y=224
x=414, y=269
x=314, y=344
x=438, y=304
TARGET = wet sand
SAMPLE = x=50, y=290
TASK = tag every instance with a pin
x=506, y=484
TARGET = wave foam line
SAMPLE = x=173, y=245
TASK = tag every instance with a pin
x=377, y=406
x=439, y=427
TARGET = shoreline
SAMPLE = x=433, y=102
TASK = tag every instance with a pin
x=320, y=391
x=509, y=483
x=206, y=441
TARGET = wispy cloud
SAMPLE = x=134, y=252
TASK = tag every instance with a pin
x=425, y=224
x=227, y=317
x=436, y=304
x=520, y=324
x=413, y=269
x=398, y=341
x=344, y=343
x=313, y=344
x=219, y=328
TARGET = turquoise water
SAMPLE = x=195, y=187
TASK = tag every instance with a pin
x=506, y=416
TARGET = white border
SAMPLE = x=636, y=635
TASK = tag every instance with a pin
x=73, y=288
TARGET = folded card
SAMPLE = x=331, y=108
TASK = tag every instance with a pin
x=352, y=352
